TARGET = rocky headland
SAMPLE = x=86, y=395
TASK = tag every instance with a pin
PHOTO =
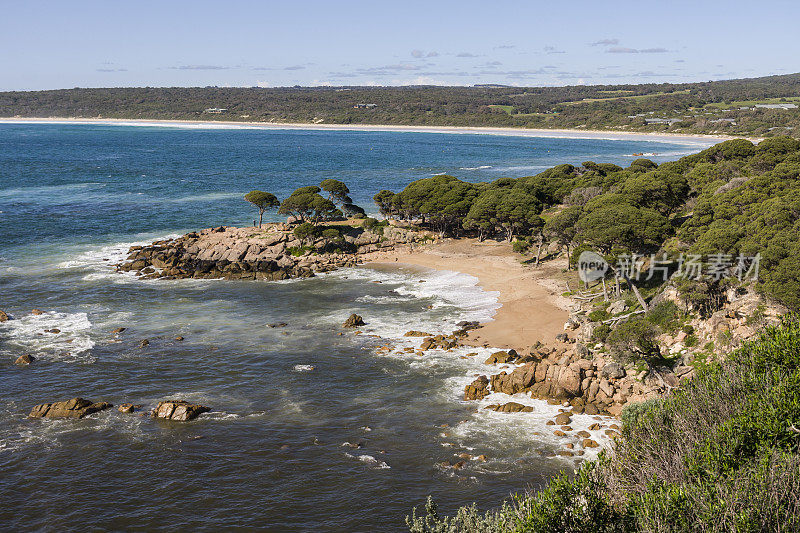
x=269, y=253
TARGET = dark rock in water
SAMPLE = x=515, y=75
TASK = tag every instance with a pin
x=510, y=407
x=23, y=360
x=478, y=389
x=118, y=330
x=278, y=325
x=54, y=330
x=128, y=408
x=353, y=322
x=563, y=419
x=4, y=316
x=144, y=343
x=74, y=408
x=415, y=333
x=37, y=312
x=180, y=410
x=179, y=338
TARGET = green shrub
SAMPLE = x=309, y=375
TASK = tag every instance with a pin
x=598, y=315
x=636, y=337
x=688, y=329
x=601, y=332
x=297, y=251
x=521, y=246
x=666, y=315
x=633, y=411
x=305, y=232
x=690, y=341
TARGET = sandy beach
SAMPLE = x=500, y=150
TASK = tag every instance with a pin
x=701, y=140
x=532, y=306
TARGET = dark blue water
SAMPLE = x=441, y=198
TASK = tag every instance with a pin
x=270, y=455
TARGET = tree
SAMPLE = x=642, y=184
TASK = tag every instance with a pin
x=338, y=194
x=561, y=226
x=609, y=222
x=337, y=191
x=263, y=201
x=385, y=202
x=307, y=205
x=507, y=210
x=305, y=232
x=331, y=235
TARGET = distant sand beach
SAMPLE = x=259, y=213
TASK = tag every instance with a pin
x=700, y=140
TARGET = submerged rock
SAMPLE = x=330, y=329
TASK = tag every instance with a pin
x=74, y=408
x=180, y=410
x=23, y=360
x=37, y=312
x=353, y=321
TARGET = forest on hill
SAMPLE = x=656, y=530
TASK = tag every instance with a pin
x=755, y=106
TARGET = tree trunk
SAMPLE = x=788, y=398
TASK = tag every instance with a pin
x=539, y=250
x=636, y=292
x=605, y=289
x=260, y=217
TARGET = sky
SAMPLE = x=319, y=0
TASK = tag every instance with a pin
x=236, y=43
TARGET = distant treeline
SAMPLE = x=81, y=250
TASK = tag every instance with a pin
x=719, y=106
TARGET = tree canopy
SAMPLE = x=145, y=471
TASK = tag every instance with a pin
x=263, y=201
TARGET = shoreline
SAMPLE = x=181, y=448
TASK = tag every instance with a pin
x=530, y=309
x=700, y=139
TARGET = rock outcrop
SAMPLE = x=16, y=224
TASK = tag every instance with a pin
x=268, y=253
x=74, y=408
x=24, y=360
x=179, y=410
x=353, y=321
x=478, y=389
x=4, y=316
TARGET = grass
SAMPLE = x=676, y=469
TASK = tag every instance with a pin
x=507, y=108
x=633, y=97
x=751, y=103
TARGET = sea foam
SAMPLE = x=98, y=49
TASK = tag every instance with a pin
x=70, y=343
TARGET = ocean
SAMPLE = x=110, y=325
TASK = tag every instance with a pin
x=310, y=429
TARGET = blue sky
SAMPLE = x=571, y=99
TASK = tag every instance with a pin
x=61, y=44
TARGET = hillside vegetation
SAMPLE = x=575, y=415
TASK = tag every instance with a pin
x=735, y=199
x=719, y=106
x=719, y=455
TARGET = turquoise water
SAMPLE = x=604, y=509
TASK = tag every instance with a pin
x=270, y=455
